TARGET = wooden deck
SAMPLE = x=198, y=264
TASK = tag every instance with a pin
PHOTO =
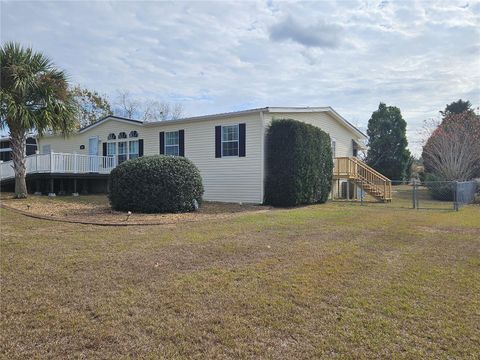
x=61, y=163
x=363, y=176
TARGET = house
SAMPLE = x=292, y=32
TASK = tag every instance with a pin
x=6, y=150
x=227, y=148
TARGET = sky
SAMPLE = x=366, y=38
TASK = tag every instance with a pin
x=225, y=56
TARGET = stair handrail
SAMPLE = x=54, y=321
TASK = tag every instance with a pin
x=369, y=168
x=371, y=176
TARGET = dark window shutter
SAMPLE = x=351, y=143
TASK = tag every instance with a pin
x=181, y=142
x=104, y=149
x=218, y=141
x=241, y=139
x=140, y=147
x=162, y=143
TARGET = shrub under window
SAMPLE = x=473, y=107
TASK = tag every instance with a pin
x=156, y=184
x=299, y=164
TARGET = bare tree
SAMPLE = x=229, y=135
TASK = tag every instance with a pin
x=452, y=150
x=150, y=110
x=177, y=111
x=126, y=105
x=161, y=111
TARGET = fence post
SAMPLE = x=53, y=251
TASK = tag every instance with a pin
x=414, y=195
x=455, y=197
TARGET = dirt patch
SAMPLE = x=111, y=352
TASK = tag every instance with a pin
x=95, y=209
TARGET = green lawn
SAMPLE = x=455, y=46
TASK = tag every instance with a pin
x=328, y=281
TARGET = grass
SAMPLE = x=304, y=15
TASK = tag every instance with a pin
x=328, y=281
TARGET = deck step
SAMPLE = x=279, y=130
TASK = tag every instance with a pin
x=372, y=182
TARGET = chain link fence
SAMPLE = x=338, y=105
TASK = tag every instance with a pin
x=465, y=193
x=436, y=195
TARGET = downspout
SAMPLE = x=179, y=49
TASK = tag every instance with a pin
x=262, y=151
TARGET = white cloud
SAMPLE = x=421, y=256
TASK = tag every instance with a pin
x=218, y=56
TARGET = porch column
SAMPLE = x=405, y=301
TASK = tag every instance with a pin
x=75, y=193
x=37, y=188
x=84, y=187
x=62, y=190
x=51, y=193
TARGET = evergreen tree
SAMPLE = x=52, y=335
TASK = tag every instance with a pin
x=457, y=107
x=388, y=153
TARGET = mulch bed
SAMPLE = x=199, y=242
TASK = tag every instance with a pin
x=95, y=210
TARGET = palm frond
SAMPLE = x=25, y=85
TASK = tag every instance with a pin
x=34, y=93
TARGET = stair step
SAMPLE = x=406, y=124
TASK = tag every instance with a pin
x=372, y=182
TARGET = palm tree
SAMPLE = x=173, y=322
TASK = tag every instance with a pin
x=34, y=97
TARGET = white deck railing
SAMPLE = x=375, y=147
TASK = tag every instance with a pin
x=61, y=163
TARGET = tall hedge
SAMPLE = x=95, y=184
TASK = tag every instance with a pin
x=155, y=184
x=299, y=164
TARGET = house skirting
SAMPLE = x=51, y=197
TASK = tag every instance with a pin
x=61, y=184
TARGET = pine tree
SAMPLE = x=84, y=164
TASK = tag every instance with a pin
x=388, y=153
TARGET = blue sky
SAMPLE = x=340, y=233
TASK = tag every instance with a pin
x=225, y=56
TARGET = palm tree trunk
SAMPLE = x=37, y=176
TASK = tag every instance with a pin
x=18, y=143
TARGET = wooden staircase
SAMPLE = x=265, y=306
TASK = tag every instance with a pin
x=362, y=175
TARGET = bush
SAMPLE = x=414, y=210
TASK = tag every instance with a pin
x=155, y=184
x=438, y=188
x=299, y=164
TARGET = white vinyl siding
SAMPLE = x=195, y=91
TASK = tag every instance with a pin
x=228, y=179
x=337, y=131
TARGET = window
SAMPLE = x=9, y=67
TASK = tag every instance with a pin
x=230, y=140
x=133, y=149
x=334, y=148
x=111, y=136
x=172, y=142
x=122, y=151
x=111, y=149
x=46, y=149
x=133, y=134
x=122, y=135
x=355, y=146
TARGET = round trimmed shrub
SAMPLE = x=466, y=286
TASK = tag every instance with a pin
x=156, y=184
x=299, y=164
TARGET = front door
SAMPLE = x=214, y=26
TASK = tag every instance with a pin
x=93, y=154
